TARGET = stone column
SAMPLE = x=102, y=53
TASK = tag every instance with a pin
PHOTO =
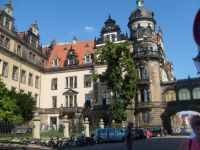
x=36, y=126
x=101, y=124
x=86, y=128
x=66, y=126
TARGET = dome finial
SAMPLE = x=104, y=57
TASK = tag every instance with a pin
x=140, y=3
x=109, y=17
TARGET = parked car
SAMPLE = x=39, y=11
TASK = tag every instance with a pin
x=139, y=133
x=154, y=132
x=109, y=135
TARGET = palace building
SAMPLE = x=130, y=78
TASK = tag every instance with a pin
x=59, y=76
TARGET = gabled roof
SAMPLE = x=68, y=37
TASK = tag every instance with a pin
x=81, y=48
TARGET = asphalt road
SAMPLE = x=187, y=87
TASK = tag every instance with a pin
x=166, y=143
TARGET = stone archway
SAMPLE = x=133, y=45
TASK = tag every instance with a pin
x=175, y=107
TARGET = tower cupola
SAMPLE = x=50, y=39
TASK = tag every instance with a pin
x=9, y=8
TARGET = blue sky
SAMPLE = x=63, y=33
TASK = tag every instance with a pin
x=84, y=19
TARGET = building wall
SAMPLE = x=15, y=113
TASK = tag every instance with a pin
x=47, y=92
x=10, y=83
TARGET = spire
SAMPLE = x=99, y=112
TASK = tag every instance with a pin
x=140, y=3
x=35, y=24
x=109, y=17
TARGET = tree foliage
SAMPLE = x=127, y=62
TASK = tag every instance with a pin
x=120, y=76
x=15, y=107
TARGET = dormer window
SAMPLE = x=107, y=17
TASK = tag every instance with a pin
x=71, y=61
x=87, y=58
x=71, y=58
x=55, y=62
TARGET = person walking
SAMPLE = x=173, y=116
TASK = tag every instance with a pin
x=129, y=136
x=194, y=143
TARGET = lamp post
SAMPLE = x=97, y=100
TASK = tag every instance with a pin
x=197, y=61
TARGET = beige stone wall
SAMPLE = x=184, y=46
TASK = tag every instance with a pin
x=155, y=87
x=10, y=83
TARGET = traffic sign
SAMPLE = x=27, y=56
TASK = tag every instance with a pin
x=196, y=28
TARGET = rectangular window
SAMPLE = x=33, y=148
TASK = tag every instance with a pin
x=23, y=76
x=6, y=43
x=75, y=82
x=105, y=97
x=2, y=37
x=36, y=97
x=87, y=81
x=145, y=117
x=36, y=82
x=67, y=83
x=5, y=69
x=54, y=101
x=7, y=23
x=88, y=99
x=54, y=84
x=18, y=49
x=15, y=73
x=75, y=101
x=67, y=101
x=71, y=101
x=30, y=79
x=71, y=82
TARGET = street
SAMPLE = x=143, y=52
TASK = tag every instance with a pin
x=165, y=143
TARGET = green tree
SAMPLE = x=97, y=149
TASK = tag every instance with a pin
x=120, y=76
x=8, y=107
x=25, y=103
x=15, y=107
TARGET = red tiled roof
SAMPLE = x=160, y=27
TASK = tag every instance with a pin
x=60, y=51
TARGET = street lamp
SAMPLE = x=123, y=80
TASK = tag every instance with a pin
x=197, y=61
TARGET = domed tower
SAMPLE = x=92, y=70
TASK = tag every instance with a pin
x=149, y=57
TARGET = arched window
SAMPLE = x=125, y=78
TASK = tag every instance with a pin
x=145, y=95
x=184, y=94
x=196, y=93
x=170, y=96
x=143, y=73
x=140, y=32
x=149, y=31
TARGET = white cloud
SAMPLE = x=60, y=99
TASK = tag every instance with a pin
x=88, y=29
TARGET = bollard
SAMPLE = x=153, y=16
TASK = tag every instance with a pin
x=101, y=124
x=86, y=127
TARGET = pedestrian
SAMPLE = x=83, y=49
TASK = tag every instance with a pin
x=194, y=143
x=129, y=136
x=192, y=134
